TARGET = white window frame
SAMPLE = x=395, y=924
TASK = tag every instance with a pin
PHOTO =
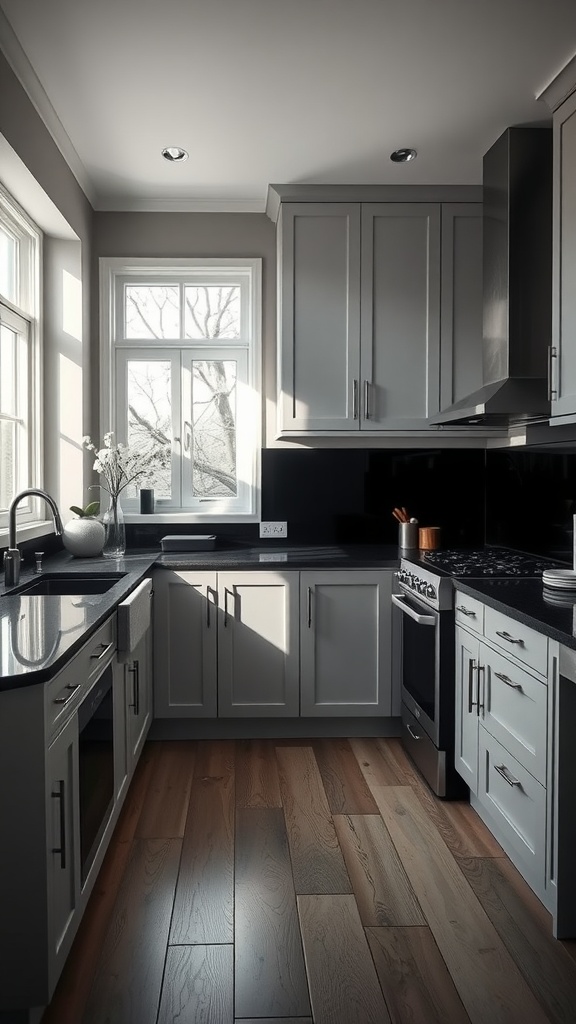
x=23, y=317
x=115, y=352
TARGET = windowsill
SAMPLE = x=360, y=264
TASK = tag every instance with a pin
x=28, y=531
x=187, y=518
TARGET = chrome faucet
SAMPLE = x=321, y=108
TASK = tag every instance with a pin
x=12, y=555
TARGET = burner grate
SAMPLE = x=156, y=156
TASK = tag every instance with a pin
x=481, y=563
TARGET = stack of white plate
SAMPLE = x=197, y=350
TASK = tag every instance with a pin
x=560, y=579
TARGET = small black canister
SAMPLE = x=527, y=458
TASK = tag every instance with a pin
x=146, y=500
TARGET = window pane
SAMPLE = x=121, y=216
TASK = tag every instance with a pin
x=150, y=422
x=8, y=266
x=214, y=428
x=7, y=371
x=212, y=312
x=152, y=311
x=7, y=462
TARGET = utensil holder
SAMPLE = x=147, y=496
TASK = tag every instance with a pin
x=429, y=538
x=408, y=535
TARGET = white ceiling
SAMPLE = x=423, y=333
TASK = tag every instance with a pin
x=260, y=91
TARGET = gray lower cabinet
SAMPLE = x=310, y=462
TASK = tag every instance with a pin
x=380, y=314
x=185, y=644
x=503, y=704
x=63, y=862
x=138, y=698
x=258, y=644
x=345, y=643
x=564, y=264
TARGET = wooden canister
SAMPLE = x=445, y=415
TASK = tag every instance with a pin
x=429, y=538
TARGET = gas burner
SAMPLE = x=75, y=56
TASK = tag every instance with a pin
x=487, y=563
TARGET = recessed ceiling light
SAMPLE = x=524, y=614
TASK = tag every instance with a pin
x=402, y=156
x=174, y=154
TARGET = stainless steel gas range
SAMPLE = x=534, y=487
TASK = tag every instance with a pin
x=426, y=609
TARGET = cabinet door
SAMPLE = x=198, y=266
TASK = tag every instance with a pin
x=564, y=263
x=138, y=697
x=467, y=698
x=258, y=644
x=62, y=841
x=400, y=328
x=319, y=316
x=461, y=302
x=185, y=624
x=346, y=658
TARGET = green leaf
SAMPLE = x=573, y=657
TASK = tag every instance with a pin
x=92, y=509
x=79, y=511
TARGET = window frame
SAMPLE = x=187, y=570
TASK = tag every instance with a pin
x=116, y=350
x=23, y=317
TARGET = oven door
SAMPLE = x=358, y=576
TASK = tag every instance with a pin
x=420, y=661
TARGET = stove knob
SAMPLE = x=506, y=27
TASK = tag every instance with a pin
x=431, y=592
x=413, y=581
x=422, y=586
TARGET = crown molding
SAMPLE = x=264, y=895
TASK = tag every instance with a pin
x=127, y=205
x=561, y=86
x=22, y=68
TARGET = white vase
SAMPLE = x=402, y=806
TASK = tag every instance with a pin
x=84, y=537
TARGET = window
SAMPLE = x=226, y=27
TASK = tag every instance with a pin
x=181, y=381
x=19, y=358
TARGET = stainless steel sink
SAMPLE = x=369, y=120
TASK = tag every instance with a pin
x=60, y=585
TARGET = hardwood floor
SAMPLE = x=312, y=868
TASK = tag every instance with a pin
x=307, y=883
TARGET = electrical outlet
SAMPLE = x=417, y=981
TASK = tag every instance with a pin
x=273, y=529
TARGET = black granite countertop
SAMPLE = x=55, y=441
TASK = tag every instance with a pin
x=551, y=612
x=38, y=635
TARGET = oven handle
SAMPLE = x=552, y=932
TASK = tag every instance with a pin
x=422, y=620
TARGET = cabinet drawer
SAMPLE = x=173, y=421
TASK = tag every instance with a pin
x=64, y=692
x=515, y=711
x=516, y=802
x=469, y=612
x=517, y=639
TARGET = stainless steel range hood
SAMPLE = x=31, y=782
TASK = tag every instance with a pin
x=517, y=284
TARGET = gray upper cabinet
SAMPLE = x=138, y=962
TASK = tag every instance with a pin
x=319, y=316
x=564, y=265
x=461, y=302
x=380, y=316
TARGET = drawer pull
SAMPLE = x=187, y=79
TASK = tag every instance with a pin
x=510, y=639
x=104, y=648
x=508, y=681
x=503, y=771
x=413, y=734
x=465, y=611
x=64, y=700
x=471, y=667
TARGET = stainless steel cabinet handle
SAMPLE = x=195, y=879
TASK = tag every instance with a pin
x=503, y=771
x=105, y=649
x=354, y=399
x=481, y=705
x=471, y=669
x=508, y=681
x=367, y=399
x=309, y=607
x=210, y=598
x=465, y=611
x=552, y=354
x=64, y=700
x=510, y=639
x=225, y=607
x=413, y=734
x=60, y=795
x=135, y=670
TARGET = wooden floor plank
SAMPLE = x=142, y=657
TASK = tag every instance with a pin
x=317, y=862
x=135, y=798
x=165, y=803
x=518, y=917
x=128, y=978
x=488, y=981
x=343, y=982
x=463, y=831
x=257, y=782
x=414, y=978
x=383, y=893
x=273, y=1020
x=198, y=985
x=204, y=902
x=270, y=978
x=344, y=783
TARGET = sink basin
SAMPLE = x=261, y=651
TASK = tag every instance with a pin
x=57, y=586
